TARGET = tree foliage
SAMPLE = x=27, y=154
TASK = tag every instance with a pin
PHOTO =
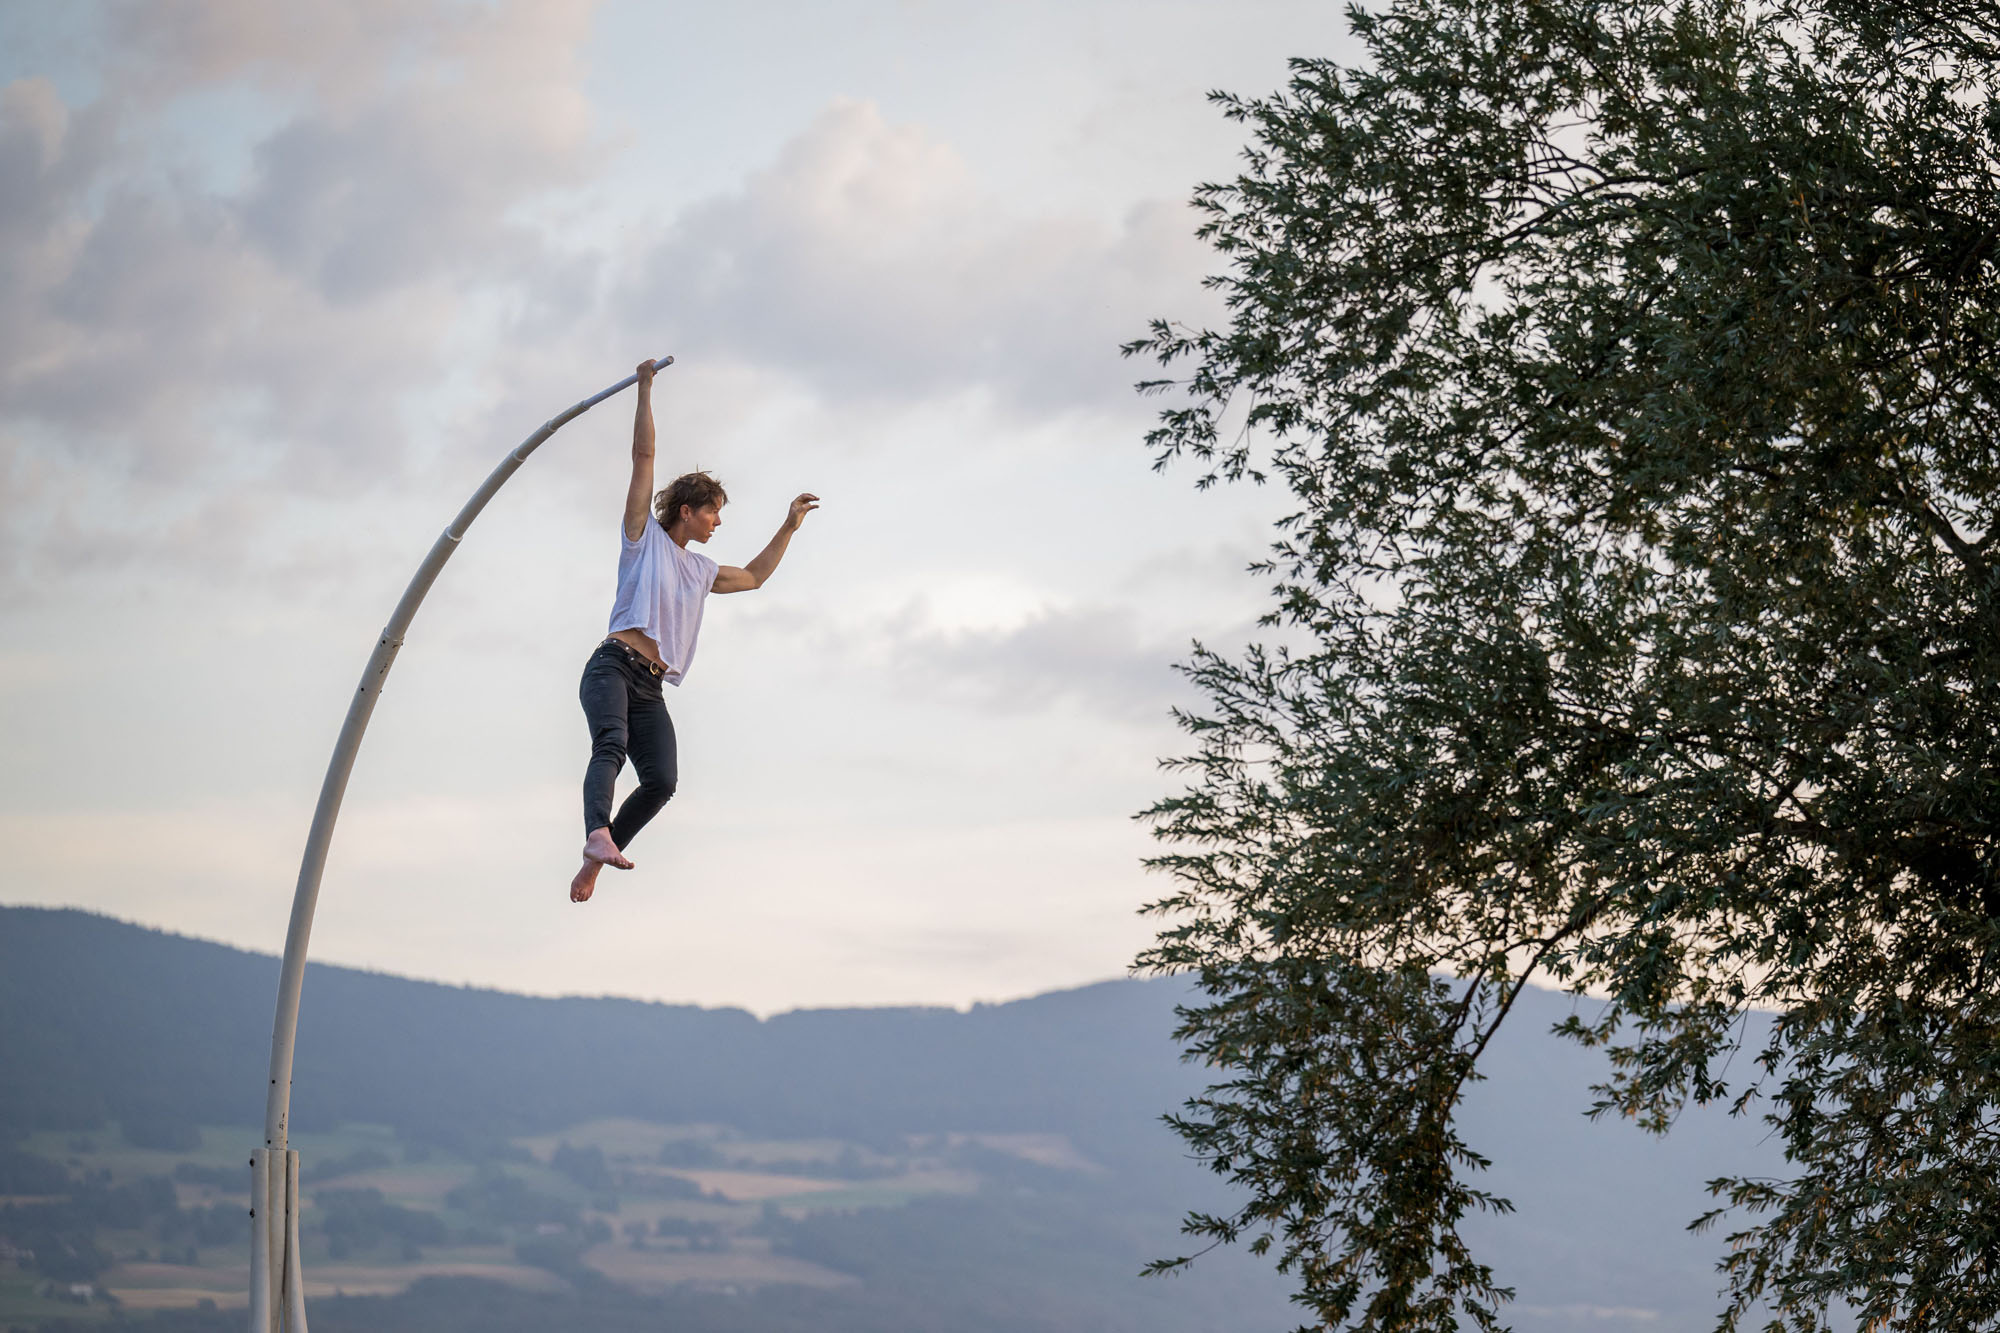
x=1632, y=367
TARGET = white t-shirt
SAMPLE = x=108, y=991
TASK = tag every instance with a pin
x=661, y=589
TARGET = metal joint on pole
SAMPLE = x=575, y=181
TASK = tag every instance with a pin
x=294, y=1304
x=260, y=1247
x=277, y=1286
x=386, y=649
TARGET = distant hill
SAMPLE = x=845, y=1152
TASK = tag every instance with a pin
x=104, y=1020
x=101, y=1020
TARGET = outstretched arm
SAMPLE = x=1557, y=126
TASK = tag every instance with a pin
x=731, y=579
x=639, y=495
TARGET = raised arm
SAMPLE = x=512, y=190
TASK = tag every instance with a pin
x=639, y=495
x=731, y=579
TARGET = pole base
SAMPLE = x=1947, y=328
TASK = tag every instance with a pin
x=277, y=1286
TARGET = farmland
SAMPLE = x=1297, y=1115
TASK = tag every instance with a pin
x=647, y=1206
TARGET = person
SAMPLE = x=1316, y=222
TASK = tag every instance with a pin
x=655, y=619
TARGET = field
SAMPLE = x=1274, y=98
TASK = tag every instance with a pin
x=651, y=1207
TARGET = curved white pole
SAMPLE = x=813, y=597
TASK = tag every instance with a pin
x=291, y=977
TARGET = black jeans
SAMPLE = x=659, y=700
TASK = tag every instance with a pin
x=622, y=701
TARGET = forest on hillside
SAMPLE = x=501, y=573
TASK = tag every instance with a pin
x=473, y=1159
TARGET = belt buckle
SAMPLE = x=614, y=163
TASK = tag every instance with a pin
x=640, y=658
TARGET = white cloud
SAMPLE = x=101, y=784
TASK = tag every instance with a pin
x=375, y=268
x=866, y=260
x=153, y=318
x=1102, y=658
x=181, y=366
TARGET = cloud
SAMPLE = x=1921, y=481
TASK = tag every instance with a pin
x=375, y=286
x=279, y=282
x=867, y=261
x=1096, y=657
x=183, y=348
x=1099, y=658
x=156, y=319
x=48, y=157
x=343, y=56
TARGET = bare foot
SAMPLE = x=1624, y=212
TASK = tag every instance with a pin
x=599, y=847
x=598, y=852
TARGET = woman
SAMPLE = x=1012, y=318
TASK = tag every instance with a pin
x=655, y=619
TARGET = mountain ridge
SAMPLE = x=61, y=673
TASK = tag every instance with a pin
x=105, y=1020
x=133, y=997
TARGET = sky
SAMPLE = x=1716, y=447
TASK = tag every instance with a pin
x=280, y=284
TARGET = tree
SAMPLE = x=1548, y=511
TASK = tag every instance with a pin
x=1632, y=368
